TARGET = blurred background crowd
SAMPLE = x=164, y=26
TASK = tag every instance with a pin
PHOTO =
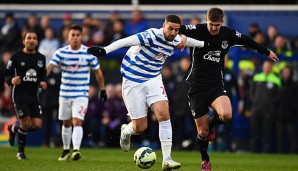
x=275, y=124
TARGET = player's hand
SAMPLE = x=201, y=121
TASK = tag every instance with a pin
x=16, y=80
x=43, y=85
x=103, y=96
x=96, y=51
x=183, y=42
x=273, y=56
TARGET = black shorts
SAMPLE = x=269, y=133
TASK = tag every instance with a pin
x=202, y=98
x=28, y=109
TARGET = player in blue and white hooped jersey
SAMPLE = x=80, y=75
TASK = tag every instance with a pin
x=75, y=65
x=142, y=85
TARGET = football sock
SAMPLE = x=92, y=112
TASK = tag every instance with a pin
x=77, y=136
x=165, y=136
x=22, y=140
x=215, y=121
x=66, y=137
x=203, y=145
x=129, y=130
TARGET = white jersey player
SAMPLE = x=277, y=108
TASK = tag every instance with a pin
x=75, y=66
x=142, y=85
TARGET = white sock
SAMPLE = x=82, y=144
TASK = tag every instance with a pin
x=129, y=130
x=77, y=136
x=66, y=137
x=165, y=137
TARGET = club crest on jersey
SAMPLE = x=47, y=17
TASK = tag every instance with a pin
x=40, y=64
x=224, y=44
x=23, y=63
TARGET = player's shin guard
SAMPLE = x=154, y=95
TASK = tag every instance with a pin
x=22, y=136
x=203, y=145
x=165, y=136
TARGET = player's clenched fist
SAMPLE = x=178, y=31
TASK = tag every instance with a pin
x=96, y=51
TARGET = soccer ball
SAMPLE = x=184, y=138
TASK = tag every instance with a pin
x=145, y=157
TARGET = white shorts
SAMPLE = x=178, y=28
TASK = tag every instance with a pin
x=72, y=108
x=139, y=96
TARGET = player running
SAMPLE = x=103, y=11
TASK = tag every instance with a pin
x=205, y=75
x=74, y=90
x=142, y=85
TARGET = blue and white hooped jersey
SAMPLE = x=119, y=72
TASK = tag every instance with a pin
x=144, y=61
x=75, y=69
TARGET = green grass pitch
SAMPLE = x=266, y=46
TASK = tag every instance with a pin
x=45, y=159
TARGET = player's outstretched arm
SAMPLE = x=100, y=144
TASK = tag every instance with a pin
x=273, y=56
x=125, y=42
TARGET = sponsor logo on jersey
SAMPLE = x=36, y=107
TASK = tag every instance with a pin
x=224, y=44
x=212, y=56
x=161, y=56
x=73, y=69
x=31, y=76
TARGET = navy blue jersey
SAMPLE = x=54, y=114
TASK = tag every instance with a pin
x=31, y=68
x=208, y=62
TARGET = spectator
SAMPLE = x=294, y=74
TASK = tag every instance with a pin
x=45, y=22
x=271, y=35
x=49, y=44
x=183, y=124
x=195, y=20
x=264, y=95
x=4, y=60
x=287, y=115
x=32, y=24
x=136, y=24
x=109, y=29
x=253, y=29
x=282, y=46
x=10, y=36
x=66, y=23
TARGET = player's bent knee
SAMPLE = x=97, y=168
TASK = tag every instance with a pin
x=140, y=128
x=203, y=132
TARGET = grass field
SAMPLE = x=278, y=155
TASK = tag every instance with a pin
x=44, y=159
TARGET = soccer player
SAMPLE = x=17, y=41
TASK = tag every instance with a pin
x=26, y=72
x=75, y=65
x=142, y=85
x=205, y=75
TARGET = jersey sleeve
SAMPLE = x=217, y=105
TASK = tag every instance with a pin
x=190, y=42
x=94, y=63
x=241, y=39
x=125, y=42
x=56, y=58
x=9, y=72
x=188, y=30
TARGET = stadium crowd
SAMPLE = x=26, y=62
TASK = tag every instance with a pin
x=103, y=120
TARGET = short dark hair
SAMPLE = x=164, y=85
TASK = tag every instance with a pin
x=76, y=27
x=215, y=14
x=173, y=19
x=29, y=31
